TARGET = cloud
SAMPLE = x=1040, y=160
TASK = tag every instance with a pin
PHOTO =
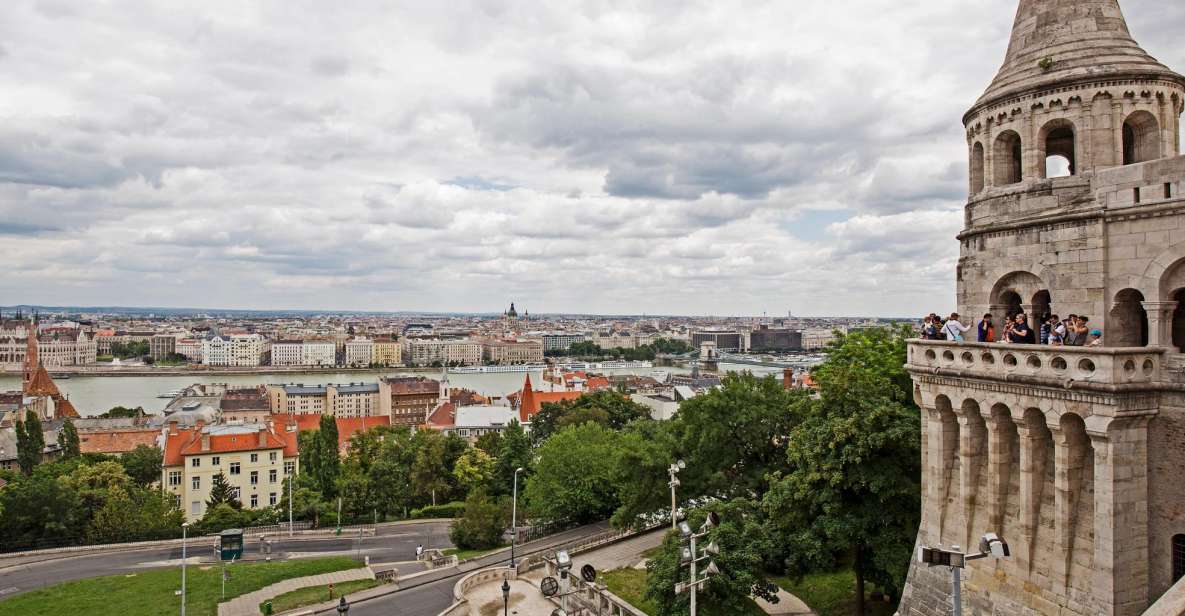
x=658, y=157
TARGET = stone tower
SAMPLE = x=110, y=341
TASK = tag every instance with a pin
x=1072, y=454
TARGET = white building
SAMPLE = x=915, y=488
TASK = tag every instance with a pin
x=318, y=353
x=190, y=348
x=560, y=341
x=233, y=350
x=359, y=352
x=287, y=353
x=427, y=351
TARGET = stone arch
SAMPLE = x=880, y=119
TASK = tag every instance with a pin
x=1042, y=305
x=1010, y=293
x=977, y=162
x=1057, y=142
x=1007, y=159
x=1127, y=323
x=1141, y=138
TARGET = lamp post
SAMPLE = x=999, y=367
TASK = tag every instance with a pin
x=691, y=557
x=184, y=537
x=514, y=516
x=990, y=545
x=505, y=597
x=674, y=472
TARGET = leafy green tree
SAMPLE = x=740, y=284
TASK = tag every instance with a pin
x=38, y=507
x=643, y=456
x=734, y=436
x=118, y=412
x=222, y=516
x=482, y=525
x=430, y=473
x=606, y=407
x=354, y=486
x=879, y=350
x=490, y=442
x=515, y=453
x=143, y=464
x=390, y=473
x=573, y=478
x=221, y=493
x=586, y=349
x=68, y=440
x=329, y=461
x=852, y=493
x=473, y=470
x=743, y=541
x=30, y=443
x=308, y=443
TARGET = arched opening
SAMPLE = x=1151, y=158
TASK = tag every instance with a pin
x=1178, y=557
x=1007, y=159
x=1179, y=319
x=1011, y=302
x=1041, y=307
x=1141, y=138
x=977, y=168
x=1128, y=322
x=1057, y=139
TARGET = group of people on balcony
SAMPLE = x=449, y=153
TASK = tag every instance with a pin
x=1053, y=330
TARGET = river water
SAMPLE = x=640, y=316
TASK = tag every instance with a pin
x=93, y=395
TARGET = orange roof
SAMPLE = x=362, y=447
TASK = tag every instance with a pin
x=443, y=417
x=532, y=401
x=597, y=382
x=117, y=441
x=346, y=426
x=188, y=442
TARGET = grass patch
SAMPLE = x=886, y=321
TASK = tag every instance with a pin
x=463, y=554
x=316, y=594
x=833, y=594
x=630, y=584
x=151, y=592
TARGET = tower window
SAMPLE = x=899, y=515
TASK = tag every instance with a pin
x=1007, y=156
x=1058, y=141
x=1141, y=138
x=977, y=178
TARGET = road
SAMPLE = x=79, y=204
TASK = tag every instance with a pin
x=432, y=593
x=391, y=544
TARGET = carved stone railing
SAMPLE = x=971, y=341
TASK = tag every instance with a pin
x=1064, y=365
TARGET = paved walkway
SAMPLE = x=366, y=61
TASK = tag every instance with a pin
x=248, y=604
x=787, y=605
x=525, y=599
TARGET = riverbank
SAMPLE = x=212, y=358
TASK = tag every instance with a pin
x=205, y=371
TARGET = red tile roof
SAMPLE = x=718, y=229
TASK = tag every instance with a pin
x=532, y=401
x=346, y=426
x=188, y=442
x=444, y=416
x=117, y=441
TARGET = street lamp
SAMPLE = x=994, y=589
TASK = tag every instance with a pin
x=691, y=556
x=989, y=545
x=674, y=472
x=184, y=536
x=505, y=596
x=343, y=608
x=514, y=516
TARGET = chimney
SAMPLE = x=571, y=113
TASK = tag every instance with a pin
x=205, y=442
x=172, y=427
x=788, y=378
x=263, y=438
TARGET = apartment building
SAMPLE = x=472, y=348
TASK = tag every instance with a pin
x=255, y=459
x=560, y=341
x=409, y=399
x=161, y=346
x=347, y=400
x=387, y=351
x=190, y=348
x=508, y=352
x=429, y=351
x=359, y=351
x=288, y=353
x=234, y=350
x=318, y=353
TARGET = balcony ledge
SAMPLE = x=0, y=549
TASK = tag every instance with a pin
x=1112, y=368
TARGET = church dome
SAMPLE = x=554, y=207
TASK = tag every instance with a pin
x=1059, y=42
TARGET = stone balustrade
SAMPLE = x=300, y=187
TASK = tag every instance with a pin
x=1055, y=364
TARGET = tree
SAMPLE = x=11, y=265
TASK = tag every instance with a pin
x=329, y=461
x=473, y=470
x=221, y=492
x=490, y=442
x=482, y=525
x=390, y=472
x=429, y=469
x=879, y=350
x=515, y=453
x=68, y=440
x=222, y=516
x=118, y=412
x=733, y=436
x=852, y=493
x=30, y=443
x=36, y=508
x=743, y=541
x=606, y=407
x=143, y=464
x=643, y=456
x=573, y=478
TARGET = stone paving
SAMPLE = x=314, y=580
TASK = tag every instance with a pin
x=248, y=604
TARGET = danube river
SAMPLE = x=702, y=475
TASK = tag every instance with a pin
x=93, y=395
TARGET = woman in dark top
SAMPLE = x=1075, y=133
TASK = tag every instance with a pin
x=987, y=332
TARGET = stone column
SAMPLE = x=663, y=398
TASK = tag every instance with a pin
x=1032, y=485
x=1068, y=448
x=1160, y=324
x=943, y=444
x=1000, y=427
x=971, y=443
x=1120, y=583
x=989, y=154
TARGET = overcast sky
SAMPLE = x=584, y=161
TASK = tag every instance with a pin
x=663, y=156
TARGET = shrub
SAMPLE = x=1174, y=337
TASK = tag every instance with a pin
x=454, y=509
x=481, y=526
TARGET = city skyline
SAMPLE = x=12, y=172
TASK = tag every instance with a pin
x=680, y=159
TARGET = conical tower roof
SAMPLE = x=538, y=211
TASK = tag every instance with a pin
x=1084, y=39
